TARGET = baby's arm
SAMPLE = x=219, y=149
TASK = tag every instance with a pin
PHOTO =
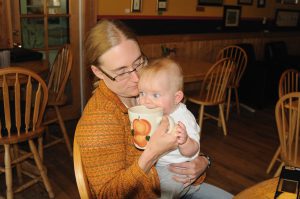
x=186, y=145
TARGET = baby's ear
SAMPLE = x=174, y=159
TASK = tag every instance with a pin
x=178, y=96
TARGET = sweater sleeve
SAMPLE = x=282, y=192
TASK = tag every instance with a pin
x=130, y=183
x=104, y=148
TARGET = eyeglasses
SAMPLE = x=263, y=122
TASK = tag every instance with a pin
x=140, y=62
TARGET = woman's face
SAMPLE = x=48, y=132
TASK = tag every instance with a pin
x=118, y=60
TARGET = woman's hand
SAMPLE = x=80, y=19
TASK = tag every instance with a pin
x=160, y=143
x=189, y=171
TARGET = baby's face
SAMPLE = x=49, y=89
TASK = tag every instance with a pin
x=156, y=92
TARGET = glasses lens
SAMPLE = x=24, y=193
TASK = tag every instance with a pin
x=122, y=76
x=136, y=67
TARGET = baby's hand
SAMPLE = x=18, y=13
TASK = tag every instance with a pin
x=182, y=135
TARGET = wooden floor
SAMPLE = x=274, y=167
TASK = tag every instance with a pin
x=239, y=160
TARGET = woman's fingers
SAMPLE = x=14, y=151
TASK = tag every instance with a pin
x=184, y=179
x=194, y=168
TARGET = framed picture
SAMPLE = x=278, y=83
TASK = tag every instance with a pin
x=287, y=18
x=246, y=2
x=232, y=15
x=261, y=3
x=210, y=2
x=288, y=1
x=136, y=5
x=161, y=5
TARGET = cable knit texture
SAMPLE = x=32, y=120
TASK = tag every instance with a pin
x=108, y=154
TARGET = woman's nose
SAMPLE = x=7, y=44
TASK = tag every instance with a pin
x=134, y=75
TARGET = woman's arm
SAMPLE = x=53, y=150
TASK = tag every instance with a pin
x=108, y=157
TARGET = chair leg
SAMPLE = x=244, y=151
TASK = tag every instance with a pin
x=273, y=160
x=8, y=172
x=237, y=101
x=228, y=103
x=18, y=165
x=41, y=169
x=63, y=130
x=277, y=173
x=41, y=148
x=201, y=112
x=222, y=119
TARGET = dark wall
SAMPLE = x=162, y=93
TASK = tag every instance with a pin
x=194, y=26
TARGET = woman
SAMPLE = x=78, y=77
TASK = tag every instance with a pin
x=114, y=167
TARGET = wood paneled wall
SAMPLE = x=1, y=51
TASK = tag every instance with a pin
x=5, y=24
x=206, y=46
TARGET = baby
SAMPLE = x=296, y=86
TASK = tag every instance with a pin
x=161, y=85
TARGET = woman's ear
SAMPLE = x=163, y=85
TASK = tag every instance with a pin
x=178, y=96
x=97, y=72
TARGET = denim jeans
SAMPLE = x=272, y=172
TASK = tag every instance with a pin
x=172, y=189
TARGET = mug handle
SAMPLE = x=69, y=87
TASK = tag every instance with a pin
x=171, y=124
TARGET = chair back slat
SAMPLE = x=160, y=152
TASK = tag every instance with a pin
x=60, y=72
x=289, y=82
x=216, y=80
x=6, y=105
x=287, y=112
x=18, y=104
x=239, y=56
x=28, y=104
x=36, y=109
x=25, y=97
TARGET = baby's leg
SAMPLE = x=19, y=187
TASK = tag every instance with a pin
x=169, y=187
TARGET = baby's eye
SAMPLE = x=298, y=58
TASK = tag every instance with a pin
x=142, y=94
x=156, y=95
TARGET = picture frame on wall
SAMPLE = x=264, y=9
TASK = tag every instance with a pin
x=136, y=5
x=161, y=5
x=210, y=2
x=288, y=1
x=231, y=16
x=245, y=2
x=261, y=3
x=287, y=18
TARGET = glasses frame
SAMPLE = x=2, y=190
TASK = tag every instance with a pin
x=145, y=60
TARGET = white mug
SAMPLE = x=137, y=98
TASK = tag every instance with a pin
x=144, y=122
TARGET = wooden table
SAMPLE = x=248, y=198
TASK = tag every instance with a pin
x=193, y=69
x=38, y=66
x=262, y=190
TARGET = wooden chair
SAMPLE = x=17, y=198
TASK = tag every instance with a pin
x=289, y=82
x=81, y=180
x=23, y=98
x=59, y=75
x=212, y=92
x=239, y=56
x=287, y=113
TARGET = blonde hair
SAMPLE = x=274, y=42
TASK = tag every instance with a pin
x=102, y=37
x=168, y=66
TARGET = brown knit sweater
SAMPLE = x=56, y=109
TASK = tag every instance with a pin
x=108, y=154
